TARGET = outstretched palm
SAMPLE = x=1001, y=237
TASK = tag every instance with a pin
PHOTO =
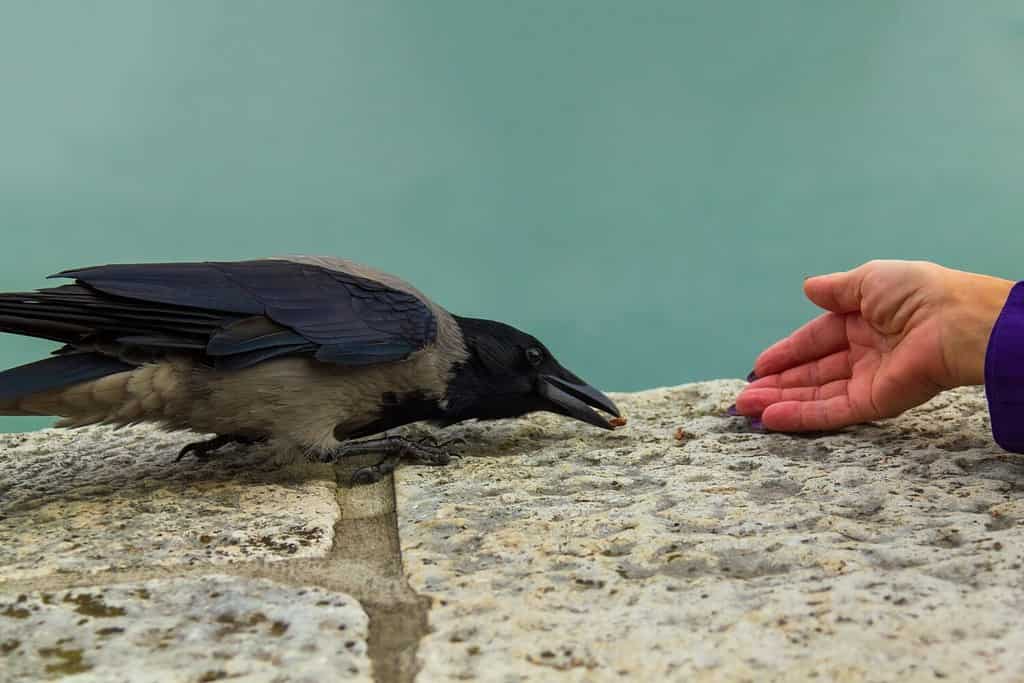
x=884, y=346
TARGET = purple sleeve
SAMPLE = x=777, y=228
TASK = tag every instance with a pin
x=1004, y=373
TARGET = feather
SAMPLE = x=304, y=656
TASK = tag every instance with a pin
x=351, y=319
x=55, y=372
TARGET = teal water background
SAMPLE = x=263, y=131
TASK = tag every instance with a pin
x=641, y=184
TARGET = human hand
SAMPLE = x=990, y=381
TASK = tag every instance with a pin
x=896, y=334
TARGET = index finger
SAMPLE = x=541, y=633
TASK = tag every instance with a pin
x=819, y=338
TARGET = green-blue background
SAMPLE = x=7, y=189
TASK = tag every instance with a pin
x=642, y=184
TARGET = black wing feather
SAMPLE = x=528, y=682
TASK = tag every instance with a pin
x=56, y=372
x=343, y=318
x=252, y=334
x=230, y=315
x=192, y=285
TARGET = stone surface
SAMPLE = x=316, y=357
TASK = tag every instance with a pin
x=97, y=498
x=198, y=629
x=888, y=552
x=553, y=551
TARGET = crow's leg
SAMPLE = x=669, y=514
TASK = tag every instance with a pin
x=395, y=449
x=203, y=449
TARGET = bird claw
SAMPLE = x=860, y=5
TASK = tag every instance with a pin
x=367, y=475
x=374, y=473
x=455, y=441
x=202, y=454
x=426, y=451
x=432, y=440
x=203, y=449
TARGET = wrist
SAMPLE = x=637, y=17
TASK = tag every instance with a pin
x=976, y=302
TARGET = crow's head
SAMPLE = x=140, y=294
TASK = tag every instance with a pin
x=510, y=373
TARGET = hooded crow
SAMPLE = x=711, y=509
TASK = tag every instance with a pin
x=311, y=351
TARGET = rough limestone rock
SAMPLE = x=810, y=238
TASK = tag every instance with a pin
x=197, y=629
x=681, y=547
x=888, y=552
x=97, y=498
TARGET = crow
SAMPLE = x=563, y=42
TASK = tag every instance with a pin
x=315, y=352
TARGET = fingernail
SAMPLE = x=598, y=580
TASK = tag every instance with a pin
x=731, y=411
x=756, y=425
x=752, y=376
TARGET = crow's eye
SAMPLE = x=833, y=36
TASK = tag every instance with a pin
x=534, y=356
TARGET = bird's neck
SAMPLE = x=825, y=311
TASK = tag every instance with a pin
x=470, y=379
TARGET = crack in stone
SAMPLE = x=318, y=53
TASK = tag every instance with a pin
x=398, y=620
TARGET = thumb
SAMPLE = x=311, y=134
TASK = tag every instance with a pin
x=837, y=292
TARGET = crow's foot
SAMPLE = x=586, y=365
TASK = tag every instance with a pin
x=427, y=451
x=203, y=449
x=431, y=440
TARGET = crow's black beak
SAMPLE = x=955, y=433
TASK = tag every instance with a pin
x=575, y=398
